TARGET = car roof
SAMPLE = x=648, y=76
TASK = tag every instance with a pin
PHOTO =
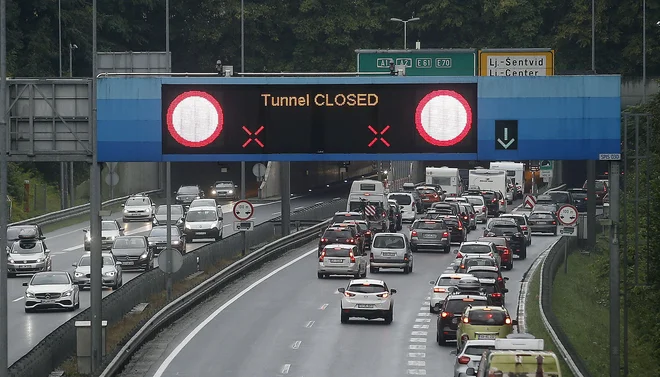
x=480, y=342
x=454, y=276
x=51, y=272
x=388, y=234
x=200, y=208
x=477, y=256
x=486, y=243
x=543, y=212
x=461, y=295
x=366, y=281
x=105, y=254
x=506, y=215
x=352, y=213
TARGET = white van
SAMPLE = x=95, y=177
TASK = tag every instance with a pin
x=448, y=178
x=368, y=196
x=406, y=202
x=515, y=170
x=494, y=180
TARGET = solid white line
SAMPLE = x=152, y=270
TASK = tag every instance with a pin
x=416, y=347
x=18, y=299
x=309, y=324
x=297, y=208
x=419, y=333
x=168, y=360
x=318, y=203
x=323, y=307
x=276, y=213
x=224, y=226
x=296, y=344
x=73, y=248
x=285, y=368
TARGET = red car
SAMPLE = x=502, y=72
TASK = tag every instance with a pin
x=506, y=255
x=429, y=195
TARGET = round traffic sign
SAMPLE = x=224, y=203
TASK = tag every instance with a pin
x=195, y=119
x=243, y=210
x=443, y=118
x=259, y=170
x=177, y=260
x=567, y=215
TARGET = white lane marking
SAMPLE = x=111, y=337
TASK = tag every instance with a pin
x=416, y=347
x=318, y=203
x=285, y=368
x=276, y=213
x=418, y=340
x=224, y=226
x=428, y=297
x=168, y=360
x=427, y=303
x=419, y=333
x=296, y=344
x=424, y=307
x=297, y=208
x=422, y=319
x=73, y=248
x=57, y=253
x=420, y=326
x=18, y=299
x=416, y=363
x=419, y=372
x=336, y=198
x=323, y=307
x=424, y=314
x=416, y=354
x=309, y=324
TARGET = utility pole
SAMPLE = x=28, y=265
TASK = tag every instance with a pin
x=615, y=299
x=4, y=361
x=242, y=71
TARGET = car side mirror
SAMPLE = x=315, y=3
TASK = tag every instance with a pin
x=514, y=322
x=470, y=372
x=74, y=264
x=118, y=263
x=506, y=278
x=341, y=290
x=25, y=284
x=392, y=291
x=85, y=231
x=432, y=282
x=121, y=229
x=47, y=251
x=506, y=290
x=123, y=205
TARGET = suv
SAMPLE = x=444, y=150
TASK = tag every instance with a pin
x=484, y=323
x=335, y=234
x=523, y=222
x=224, y=190
x=602, y=188
x=203, y=222
x=138, y=208
x=502, y=245
x=429, y=195
x=561, y=197
x=429, y=234
x=476, y=248
x=457, y=231
x=479, y=206
x=374, y=300
x=186, y=194
x=29, y=254
x=391, y=250
x=342, y=259
x=579, y=199
x=451, y=312
x=512, y=232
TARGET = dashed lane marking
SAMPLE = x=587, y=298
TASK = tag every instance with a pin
x=323, y=307
x=423, y=319
x=418, y=340
x=418, y=372
x=420, y=326
x=416, y=347
x=417, y=354
x=423, y=314
x=309, y=324
x=427, y=303
x=296, y=344
x=285, y=369
x=419, y=333
x=416, y=363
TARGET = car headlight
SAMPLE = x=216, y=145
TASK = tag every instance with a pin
x=29, y=294
x=78, y=274
x=144, y=256
x=10, y=260
x=67, y=293
x=39, y=260
x=147, y=210
x=175, y=242
x=231, y=191
x=109, y=273
x=125, y=211
x=213, y=192
x=187, y=226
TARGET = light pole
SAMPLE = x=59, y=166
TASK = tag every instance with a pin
x=405, y=28
x=242, y=71
x=644, y=51
x=593, y=36
x=72, y=46
x=59, y=26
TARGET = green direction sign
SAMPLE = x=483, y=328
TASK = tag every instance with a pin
x=546, y=165
x=429, y=62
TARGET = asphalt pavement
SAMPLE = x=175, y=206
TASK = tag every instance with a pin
x=66, y=245
x=281, y=320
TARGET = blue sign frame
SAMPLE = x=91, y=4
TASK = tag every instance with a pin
x=559, y=117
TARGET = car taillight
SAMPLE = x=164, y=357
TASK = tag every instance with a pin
x=502, y=201
x=462, y=267
x=413, y=233
x=494, y=200
x=483, y=209
x=445, y=314
x=554, y=223
x=383, y=295
x=349, y=294
x=351, y=240
x=524, y=227
x=499, y=278
x=507, y=321
x=507, y=251
x=465, y=217
x=435, y=196
x=371, y=256
x=322, y=256
x=368, y=233
x=459, y=255
x=352, y=256
x=405, y=257
x=439, y=290
x=445, y=234
x=324, y=240
x=497, y=295
x=463, y=360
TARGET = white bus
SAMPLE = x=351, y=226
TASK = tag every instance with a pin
x=515, y=170
x=494, y=180
x=448, y=178
x=369, y=192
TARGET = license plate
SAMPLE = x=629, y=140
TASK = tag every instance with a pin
x=485, y=336
x=365, y=306
x=544, y=223
x=386, y=254
x=200, y=233
x=430, y=235
x=160, y=247
x=127, y=263
x=25, y=266
x=336, y=260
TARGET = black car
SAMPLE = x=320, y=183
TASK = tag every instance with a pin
x=492, y=203
x=512, y=232
x=451, y=312
x=186, y=194
x=451, y=207
x=342, y=235
x=457, y=232
x=157, y=239
x=579, y=199
x=133, y=252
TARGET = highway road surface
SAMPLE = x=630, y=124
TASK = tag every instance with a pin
x=283, y=321
x=66, y=245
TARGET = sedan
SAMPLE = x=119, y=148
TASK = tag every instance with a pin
x=51, y=290
x=133, y=252
x=176, y=215
x=579, y=199
x=157, y=239
x=112, y=276
x=543, y=222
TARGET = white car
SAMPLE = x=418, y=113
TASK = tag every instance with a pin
x=391, y=250
x=470, y=356
x=341, y=259
x=407, y=205
x=367, y=298
x=441, y=289
x=51, y=290
x=477, y=249
x=479, y=205
x=138, y=208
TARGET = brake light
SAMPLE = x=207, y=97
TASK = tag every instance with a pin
x=351, y=240
x=460, y=225
x=445, y=314
x=499, y=278
x=465, y=320
x=459, y=255
x=506, y=251
x=445, y=234
x=324, y=240
x=502, y=201
x=352, y=256
x=435, y=196
x=497, y=295
x=371, y=256
x=322, y=256
x=465, y=217
x=413, y=233
x=554, y=223
x=349, y=294
x=462, y=267
x=483, y=209
x=383, y=295
x=507, y=321
x=463, y=360
x=494, y=200
x=368, y=232
x=524, y=227
x=439, y=290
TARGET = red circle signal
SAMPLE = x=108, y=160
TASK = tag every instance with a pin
x=443, y=118
x=195, y=119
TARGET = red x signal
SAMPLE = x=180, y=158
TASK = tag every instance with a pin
x=253, y=136
x=379, y=136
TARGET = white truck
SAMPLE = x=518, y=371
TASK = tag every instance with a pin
x=515, y=170
x=370, y=193
x=448, y=178
x=493, y=180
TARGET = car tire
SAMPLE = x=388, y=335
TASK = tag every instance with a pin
x=406, y=269
x=509, y=266
x=523, y=254
x=320, y=275
x=389, y=316
x=28, y=310
x=431, y=309
x=447, y=250
x=373, y=270
x=344, y=318
x=440, y=339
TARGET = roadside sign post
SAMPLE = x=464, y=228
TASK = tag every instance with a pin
x=530, y=201
x=517, y=62
x=243, y=211
x=568, y=217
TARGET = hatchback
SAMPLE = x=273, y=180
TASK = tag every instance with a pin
x=391, y=250
x=367, y=298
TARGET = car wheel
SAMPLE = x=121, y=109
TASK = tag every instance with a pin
x=431, y=309
x=447, y=250
x=373, y=270
x=406, y=270
x=389, y=316
x=440, y=339
x=510, y=266
x=344, y=318
x=320, y=275
x=28, y=310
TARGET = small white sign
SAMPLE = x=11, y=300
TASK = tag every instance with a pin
x=546, y=174
x=243, y=226
x=569, y=231
x=609, y=157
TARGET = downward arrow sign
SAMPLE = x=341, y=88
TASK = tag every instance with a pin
x=507, y=144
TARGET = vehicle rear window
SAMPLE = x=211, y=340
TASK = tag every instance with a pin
x=389, y=242
x=450, y=221
x=475, y=201
x=428, y=225
x=14, y=231
x=334, y=234
x=488, y=195
x=426, y=191
x=402, y=199
x=484, y=274
x=477, y=350
x=488, y=288
x=549, y=208
x=371, y=288
x=109, y=225
x=457, y=306
x=336, y=252
x=447, y=281
x=479, y=262
x=519, y=219
x=475, y=249
x=600, y=186
x=487, y=317
x=544, y=216
x=342, y=218
x=496, y=240
x=559, y=197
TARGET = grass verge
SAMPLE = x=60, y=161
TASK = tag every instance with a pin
x=580, y=302
x=117, y=334
x=535, y=324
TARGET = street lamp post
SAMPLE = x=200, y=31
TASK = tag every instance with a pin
x=644, y=51
x=59, y=27
x=72, y=46
x=405, y=28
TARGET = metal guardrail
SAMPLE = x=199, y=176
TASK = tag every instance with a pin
x=197, y=294
x=64, y=214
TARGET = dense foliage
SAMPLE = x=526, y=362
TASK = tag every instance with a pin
x=315, y=35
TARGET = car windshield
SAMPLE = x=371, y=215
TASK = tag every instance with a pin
x=86, y=261
x=450, y=221
x=366, y=288
x=475, y=249
x=338, y=233
x=487, y=317
x=176, y=210
x=138, y=201
x=469, y=262
x=224, y=184
x=389, y=242
x=477, y=350
x=337, y=252
x=202, y=215
x=161, y=231
x=518, y=219
x=428, y=225
x=559, y=197
x=188, y=190
x=28, y=247
x=475, y=201
x=545, y=207
x=457, y=306
x=129, y=243
x=14, y=231
x=488, y=195
x=484, y=274
x=402, y=199
x=48, y=278
x=541, y=215
x=447, y=281
x=109, y=225
x=442, y=181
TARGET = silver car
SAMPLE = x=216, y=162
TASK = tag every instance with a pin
x=341, y=259
x=28, y=256
x=391, y=250
x=224, y=190
x=112, y=276
x=138, y=208
x=176, y=215
x=470, y=356
x=441, y=289
x=110, y=230
x=51, y=290
x=429, y=235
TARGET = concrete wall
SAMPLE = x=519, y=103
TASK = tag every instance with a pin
x=270, y=187
x=632, y=90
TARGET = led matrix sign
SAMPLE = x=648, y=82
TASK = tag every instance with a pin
x=313, y=119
